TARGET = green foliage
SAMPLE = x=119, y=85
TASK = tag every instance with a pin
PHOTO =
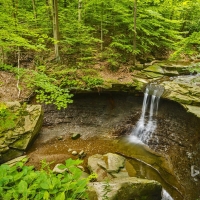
x=23, y=182
x=112, y=57
x=94, y=28
x=47, y=91
x=92, y=82
x=46, y=88
x=189, y=46
x=195, y=68
x=89, y=72
x=77, y=78
x=7, y=118
x=160, y=25
x=5, y=67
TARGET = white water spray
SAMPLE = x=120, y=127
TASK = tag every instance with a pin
x=166, y=195
x=147, y=124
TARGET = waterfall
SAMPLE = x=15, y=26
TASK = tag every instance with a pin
x=166, y=195
x=147, y=122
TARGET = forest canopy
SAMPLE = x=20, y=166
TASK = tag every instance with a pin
x=81, y=30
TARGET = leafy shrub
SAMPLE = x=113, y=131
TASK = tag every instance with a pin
x=23, y=182
x=90, y=72
x=194, y=68
x=92, y=82
x=187, y=47
x=47, y=91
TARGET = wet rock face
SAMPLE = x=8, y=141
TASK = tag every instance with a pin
x=93, y=115
x=177, y=136
x=116, y=115
x=15, y=140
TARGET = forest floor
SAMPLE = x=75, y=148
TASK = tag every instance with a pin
x=9, y=90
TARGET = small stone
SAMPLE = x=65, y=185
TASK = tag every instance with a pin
x=69, y=150
x=60, y=137
x=74, y=153
x=81, y=167
x=75, y=136
x=56, y=169
x=82, y=154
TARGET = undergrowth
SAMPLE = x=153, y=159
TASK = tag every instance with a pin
x=53, y=86
x=23, y=182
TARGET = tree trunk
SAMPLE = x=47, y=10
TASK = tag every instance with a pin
x=18, y=68
x=56, y=28
x=79, y=9
x=15, y=11
x=134, y=31
x=2, y=55
x=102, y=26
x=34, y=11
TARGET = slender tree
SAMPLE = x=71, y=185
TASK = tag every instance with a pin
x=34, y=11
x=134, y=31
x=79, y=10
x=56, y=28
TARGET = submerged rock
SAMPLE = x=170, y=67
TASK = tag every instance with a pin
x=75, y=136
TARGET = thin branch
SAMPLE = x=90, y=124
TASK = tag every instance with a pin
x=18, y=77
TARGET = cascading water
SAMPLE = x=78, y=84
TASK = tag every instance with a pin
x=147, y=123
x=166, y=195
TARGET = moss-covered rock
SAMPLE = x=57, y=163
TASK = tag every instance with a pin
x=155, y=68
x=184, y=90
x=14, y=140
x=153, y=75
x=126, y=189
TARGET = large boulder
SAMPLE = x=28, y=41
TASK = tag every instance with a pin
x=125, y=188
x=166, y=70
x=110, y=166
x=16, y=137
x=115, y=180
x=186, y=91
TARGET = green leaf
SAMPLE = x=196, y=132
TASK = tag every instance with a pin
x=44, y=185
x=22, y=187
x=61, y=196
x=46, y=195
